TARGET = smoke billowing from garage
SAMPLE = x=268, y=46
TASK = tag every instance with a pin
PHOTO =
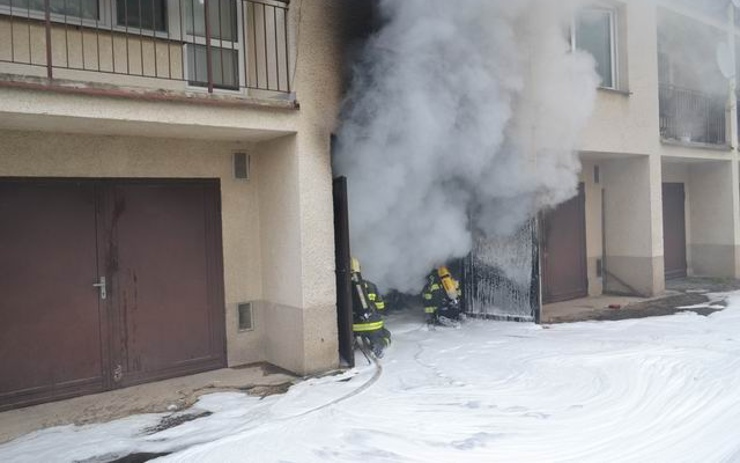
x=457, y=110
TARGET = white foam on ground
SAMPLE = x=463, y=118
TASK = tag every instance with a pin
x=652, y=390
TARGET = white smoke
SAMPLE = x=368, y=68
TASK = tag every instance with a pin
x=459, y=109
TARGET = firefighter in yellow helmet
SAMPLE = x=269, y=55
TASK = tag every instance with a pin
x=368, y=324
x=441, y=297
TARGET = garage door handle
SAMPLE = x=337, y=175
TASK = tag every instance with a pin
x=102, y=286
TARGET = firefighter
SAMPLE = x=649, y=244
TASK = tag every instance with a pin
x=368, y=324
x=441, y=297
x=374, y=296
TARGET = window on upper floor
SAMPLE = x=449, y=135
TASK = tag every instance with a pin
x=222, y=23
x=595, y=32
x=149, y=15
x=86, y=9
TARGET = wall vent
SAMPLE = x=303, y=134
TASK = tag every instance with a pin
x=241, y=166
x=246, y=319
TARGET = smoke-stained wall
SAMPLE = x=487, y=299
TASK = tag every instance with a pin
x=456, y=108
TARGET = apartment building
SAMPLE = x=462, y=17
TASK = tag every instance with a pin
x=165, y=190
x=659, y=193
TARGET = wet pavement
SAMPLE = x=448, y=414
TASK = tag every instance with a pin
x=682, y=295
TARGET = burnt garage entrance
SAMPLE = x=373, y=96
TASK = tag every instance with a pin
x=106, y=284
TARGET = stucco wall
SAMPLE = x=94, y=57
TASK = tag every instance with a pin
x=278, y=226
x=627, y=121
x=712, y=241
x=594, y=228
x=318, y=81
x=37, y=154
x=633, y=226
x=710, y=214
x=624, y=136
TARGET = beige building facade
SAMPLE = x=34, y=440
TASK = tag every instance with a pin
x=660, y=158
x=111, y=95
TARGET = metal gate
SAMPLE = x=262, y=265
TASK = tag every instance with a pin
x=501, y=276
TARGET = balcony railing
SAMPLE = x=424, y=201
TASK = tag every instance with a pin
x=211, y=45
x=689, y=116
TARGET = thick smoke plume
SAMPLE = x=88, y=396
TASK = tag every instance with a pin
x=459, y=109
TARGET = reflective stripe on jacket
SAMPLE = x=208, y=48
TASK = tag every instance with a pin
x=366, y=327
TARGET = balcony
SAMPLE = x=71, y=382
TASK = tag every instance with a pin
x=691, y=117
x=209, y=48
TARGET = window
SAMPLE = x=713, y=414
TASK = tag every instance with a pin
x=142, y=14
x=224, y=66
x=595, y=34
x=87, y=9
x=222, y=24
x=221, y=18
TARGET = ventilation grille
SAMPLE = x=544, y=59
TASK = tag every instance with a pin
x=241, y=166
x=245, y=317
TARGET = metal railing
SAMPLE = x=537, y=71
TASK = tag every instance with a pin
x=692, y=117
x=228, y=45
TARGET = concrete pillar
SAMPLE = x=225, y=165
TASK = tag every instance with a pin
x=714, y=218
x=320, y=332
x=735, y=186
x=591, y=178
x=297, y=236
x=633, y=226
x=732, y=124
x=280, y=310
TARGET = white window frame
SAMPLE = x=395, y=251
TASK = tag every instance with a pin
x=72, y=20
x=108, y=20
x=613, y=15
x=238, y=46
x=173, y=9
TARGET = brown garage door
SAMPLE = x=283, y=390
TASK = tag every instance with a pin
x=674, y=230
x=50, y=322
x=156, y=244
x=563, y=235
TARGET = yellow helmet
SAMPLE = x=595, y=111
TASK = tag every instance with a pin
x=355, y=265
x=450, y=285
x=443, y=272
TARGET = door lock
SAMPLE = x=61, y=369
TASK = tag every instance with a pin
x=103, y=289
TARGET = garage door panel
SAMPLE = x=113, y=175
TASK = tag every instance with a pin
x=674, y=230
x=50, y=338
x=168, y=309
x=564, y=268
x=157, y=242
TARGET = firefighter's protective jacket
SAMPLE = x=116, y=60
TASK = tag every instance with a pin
x=374, y=296
x=433, y=294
